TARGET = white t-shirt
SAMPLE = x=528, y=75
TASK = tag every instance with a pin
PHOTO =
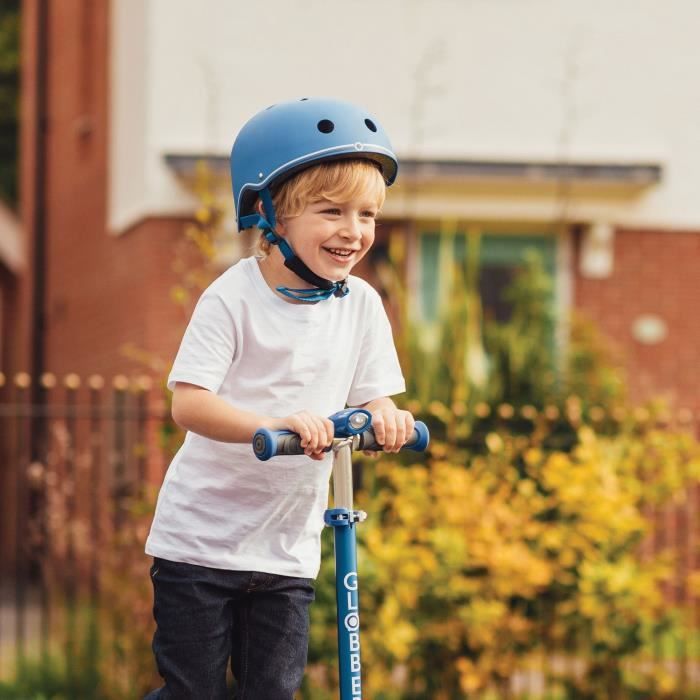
x=220, y=506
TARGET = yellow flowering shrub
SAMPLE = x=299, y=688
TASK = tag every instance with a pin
x=472, y=564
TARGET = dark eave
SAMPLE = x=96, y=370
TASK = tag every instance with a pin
x=532, y=171
x=633, y=174
x=185, y=165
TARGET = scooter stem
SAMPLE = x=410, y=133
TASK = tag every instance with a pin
x=342, y=477
x=343, y=520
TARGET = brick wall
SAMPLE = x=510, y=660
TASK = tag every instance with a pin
x=655, y=272
x=114, y=292
x=103, y=291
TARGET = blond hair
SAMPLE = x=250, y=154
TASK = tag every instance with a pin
x=337, y=181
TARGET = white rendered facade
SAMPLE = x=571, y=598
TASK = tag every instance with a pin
x=527, y=81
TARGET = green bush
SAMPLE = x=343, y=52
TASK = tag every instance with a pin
x=53, y=678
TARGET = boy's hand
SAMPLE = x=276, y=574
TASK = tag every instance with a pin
x=316, y=433
x=392, y=426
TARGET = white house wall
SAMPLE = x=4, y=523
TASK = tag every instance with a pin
x=463, y=79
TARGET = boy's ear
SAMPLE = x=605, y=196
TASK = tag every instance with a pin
x=279, y=226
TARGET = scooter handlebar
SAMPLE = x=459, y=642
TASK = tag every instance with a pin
x=274, y=443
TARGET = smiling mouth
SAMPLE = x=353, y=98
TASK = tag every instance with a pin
x=339, y=252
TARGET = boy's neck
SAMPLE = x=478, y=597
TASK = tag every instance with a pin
x=276, y=275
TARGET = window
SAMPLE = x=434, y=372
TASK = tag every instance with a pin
x=500, y=257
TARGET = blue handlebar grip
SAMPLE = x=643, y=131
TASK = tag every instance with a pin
x=268, y=443
x=421, y=438
x=417, y=442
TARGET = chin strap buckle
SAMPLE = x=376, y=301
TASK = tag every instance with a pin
x=341, y=289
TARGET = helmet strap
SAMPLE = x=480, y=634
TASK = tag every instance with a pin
x=323, y=288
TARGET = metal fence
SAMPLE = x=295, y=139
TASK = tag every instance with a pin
x=76, y=456
x=78, y=460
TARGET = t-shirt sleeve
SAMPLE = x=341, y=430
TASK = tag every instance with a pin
x=378, y=371
x=208, y=346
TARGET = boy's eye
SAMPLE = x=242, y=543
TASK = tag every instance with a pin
x=369, y=214
x=332, y=210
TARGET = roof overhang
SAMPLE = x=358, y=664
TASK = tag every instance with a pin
x=633, y=176
x=187, y=166
x=530, y=174
x=489, y=190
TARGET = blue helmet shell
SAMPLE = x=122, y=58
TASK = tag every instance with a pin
x=290, y=136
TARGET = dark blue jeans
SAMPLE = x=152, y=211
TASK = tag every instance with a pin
x=206, y=616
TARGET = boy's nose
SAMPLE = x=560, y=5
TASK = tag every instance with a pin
x=351, y=228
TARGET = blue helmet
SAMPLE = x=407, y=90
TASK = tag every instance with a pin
x=290, y=136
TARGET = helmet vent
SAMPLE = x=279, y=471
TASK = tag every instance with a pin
x=325, y=126
x=303, y=99
x=370, y=125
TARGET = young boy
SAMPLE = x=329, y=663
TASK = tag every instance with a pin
x=281, y=341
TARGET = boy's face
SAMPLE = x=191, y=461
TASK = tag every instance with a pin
x=331, y=237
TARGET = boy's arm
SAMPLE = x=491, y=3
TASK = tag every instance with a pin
x=201, y=411
x=392, y=426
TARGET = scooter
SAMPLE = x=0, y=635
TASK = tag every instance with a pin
x=353, y=431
